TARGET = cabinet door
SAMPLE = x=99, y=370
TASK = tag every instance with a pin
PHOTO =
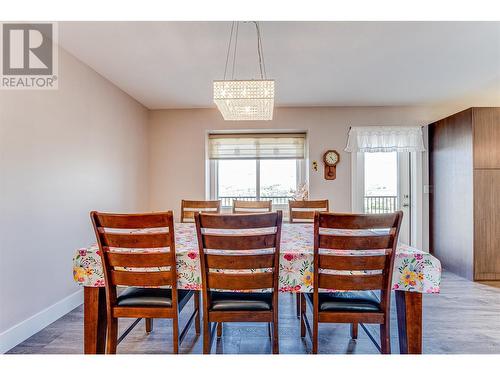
x=451, y=201
x=487, y=224
x=486, y=137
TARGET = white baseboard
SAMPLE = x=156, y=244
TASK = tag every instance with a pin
x=27, y=328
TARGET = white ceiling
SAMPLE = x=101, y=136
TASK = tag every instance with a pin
x=172, y=64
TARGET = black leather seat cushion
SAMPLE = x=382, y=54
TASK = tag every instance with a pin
x=231, y=301
x=362, y=301
x=136, y=297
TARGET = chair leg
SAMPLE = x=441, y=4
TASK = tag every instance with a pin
x=149, y=325
x=354, y=331
x=385, y=339
x=219, y=329
x=303, y=316
x=315, y=334
x=175, y=334
x=112, y=336
x=197, y=308
x=207, y=340
x=298, y=299
x=276, y=345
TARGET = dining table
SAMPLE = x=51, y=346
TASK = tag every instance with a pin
x=415, y=273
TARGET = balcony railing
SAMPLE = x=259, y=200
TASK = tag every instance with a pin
x=280, y=200
x=372, y=204
x=380, y=204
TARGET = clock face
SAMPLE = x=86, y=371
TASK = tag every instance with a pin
x=331, y=158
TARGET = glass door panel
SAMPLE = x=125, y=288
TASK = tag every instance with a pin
x=387, y=186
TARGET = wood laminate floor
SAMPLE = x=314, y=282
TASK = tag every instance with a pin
x=463, y=319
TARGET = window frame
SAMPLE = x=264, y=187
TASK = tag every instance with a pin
x=214, y=179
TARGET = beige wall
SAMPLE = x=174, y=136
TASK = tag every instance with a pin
x=177, y=146
x=62, y=154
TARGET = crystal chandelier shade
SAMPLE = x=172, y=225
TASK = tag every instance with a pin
x=239, y=100
x=245, y=100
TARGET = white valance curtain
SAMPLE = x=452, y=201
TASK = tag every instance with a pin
x=385, y=139
x=257, y=146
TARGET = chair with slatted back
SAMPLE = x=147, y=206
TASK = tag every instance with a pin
x=303, y=211
x=252, y=206
x=150, y=276
x=357, y=264
x=188, y=208
x=239, y=257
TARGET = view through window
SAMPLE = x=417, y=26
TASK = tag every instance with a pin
x=274, y=179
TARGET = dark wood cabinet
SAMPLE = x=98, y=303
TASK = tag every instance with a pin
x=464, y=167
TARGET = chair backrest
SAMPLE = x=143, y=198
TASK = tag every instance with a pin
x=140, y=242
x=369, y=250
x=252, y=206
x=239, y=242
x=303, y=211
x=188, y=208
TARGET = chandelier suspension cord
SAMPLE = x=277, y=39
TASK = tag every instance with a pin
x=260, y=52
x=235, y=47
x=228, y=49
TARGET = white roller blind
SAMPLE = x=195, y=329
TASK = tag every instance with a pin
x=256, y=146
x=385, y=139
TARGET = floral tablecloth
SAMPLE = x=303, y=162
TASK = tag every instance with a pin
x=414, y=270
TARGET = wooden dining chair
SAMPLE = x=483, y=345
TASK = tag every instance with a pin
x=353, y=265
x=228, y=265
x=252, y=206
x=123, y=240
x=188, y=208
x=303, y=211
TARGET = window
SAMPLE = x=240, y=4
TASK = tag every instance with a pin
x=255, y=167
x=236, y=178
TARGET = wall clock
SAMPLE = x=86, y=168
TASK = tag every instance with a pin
x=331, y=159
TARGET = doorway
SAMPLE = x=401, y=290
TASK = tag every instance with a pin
x=382, y=183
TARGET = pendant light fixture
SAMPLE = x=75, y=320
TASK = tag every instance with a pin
x=239, y=100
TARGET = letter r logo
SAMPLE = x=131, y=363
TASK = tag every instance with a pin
x=27, y=49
